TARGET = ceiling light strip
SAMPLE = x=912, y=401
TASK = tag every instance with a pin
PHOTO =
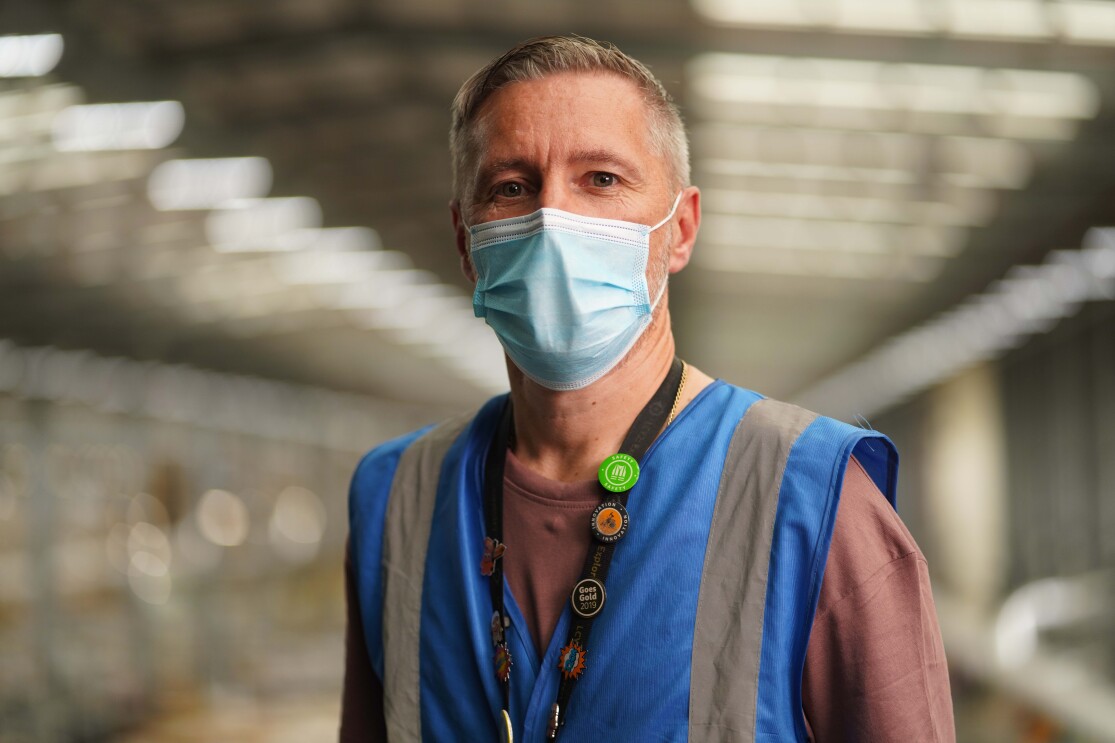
x=179, y=394
x=118, y=126
x=820, y=83
x=1027, y=301
x=29, y=56
x=1080, y=22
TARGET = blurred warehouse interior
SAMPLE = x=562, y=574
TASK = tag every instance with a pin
x=226, y=270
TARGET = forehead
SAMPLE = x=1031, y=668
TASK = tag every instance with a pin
x=571, y=111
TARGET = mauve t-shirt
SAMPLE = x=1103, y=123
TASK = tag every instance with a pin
x=874, y=669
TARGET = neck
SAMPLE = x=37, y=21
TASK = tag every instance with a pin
x=566, y=435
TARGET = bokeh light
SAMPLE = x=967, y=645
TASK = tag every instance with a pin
x=297, y=524
x=222, y=518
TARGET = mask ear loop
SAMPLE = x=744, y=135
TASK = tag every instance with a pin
x=669, y=216
x=666, y=278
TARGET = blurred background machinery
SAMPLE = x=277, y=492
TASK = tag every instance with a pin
x=226, y=270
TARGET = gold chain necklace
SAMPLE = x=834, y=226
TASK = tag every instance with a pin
x=677, y=397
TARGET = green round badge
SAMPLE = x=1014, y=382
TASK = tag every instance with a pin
x=619, y=473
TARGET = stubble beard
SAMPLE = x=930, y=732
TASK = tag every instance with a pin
x=657, y=280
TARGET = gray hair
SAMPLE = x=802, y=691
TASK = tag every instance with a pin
x=536, y=58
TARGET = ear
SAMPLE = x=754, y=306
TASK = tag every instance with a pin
x=460, y=233
x=687, y=219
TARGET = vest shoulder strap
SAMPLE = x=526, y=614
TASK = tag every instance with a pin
x=406, y=534
x=727, y=637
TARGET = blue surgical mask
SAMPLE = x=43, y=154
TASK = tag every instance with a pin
x=566, y=294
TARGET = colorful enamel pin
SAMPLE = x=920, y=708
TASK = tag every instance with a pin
x=493, y=550
x=571, y=662
x=503, y=662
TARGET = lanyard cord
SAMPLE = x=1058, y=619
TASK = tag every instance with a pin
x=493, y=524
x=641, y=435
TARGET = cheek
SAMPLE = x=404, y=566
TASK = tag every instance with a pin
x=662, y=254
x=660, y=262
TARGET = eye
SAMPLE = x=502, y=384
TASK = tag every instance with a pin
x=604, y=180
x=510, y=190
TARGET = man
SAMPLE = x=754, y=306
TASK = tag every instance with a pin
x=663, y=536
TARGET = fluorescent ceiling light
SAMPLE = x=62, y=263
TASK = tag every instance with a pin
x=254, y=225
x=434, y=318
x=1012, y=19
x=722, y=234
x=29, y=56
x=817, y=83
x=725, y=234
x=824, y=177
x=118, y=126
x=1080, y=21
x=1036, y=127
x=985, y=158
x=894, y=16
x=458, y=333
x=482, y=361
x=207, y=183
x=803, y=171
x=26, y=116
x=1030, y=299
x=973, y=212
x=902, y=16
x=819, y=264
x=1005, y=20
x=419, y=315
x=1088, y=20
x=268, y=410
x=335, y=267
x=269, y=306
x=388, y=286
x=758, y=12
x=1099, y=252
x=347, y=239
x=218, y=282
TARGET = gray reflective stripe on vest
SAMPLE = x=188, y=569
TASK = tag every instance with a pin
x=406, y=534
x=727, y=637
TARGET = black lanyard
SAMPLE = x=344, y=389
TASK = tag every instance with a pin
x=589, y=595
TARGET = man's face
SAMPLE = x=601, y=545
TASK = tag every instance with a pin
x=572, y=141
x=577, y=142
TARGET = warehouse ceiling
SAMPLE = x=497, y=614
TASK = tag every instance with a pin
x=864, y=166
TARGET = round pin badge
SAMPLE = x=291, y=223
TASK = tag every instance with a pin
x=588, y=597
x=619, y=473
x=609, y=522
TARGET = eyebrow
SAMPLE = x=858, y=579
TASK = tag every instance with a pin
x=488, y=171
x=608, y=157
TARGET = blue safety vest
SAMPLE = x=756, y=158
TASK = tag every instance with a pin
x=711, y=592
